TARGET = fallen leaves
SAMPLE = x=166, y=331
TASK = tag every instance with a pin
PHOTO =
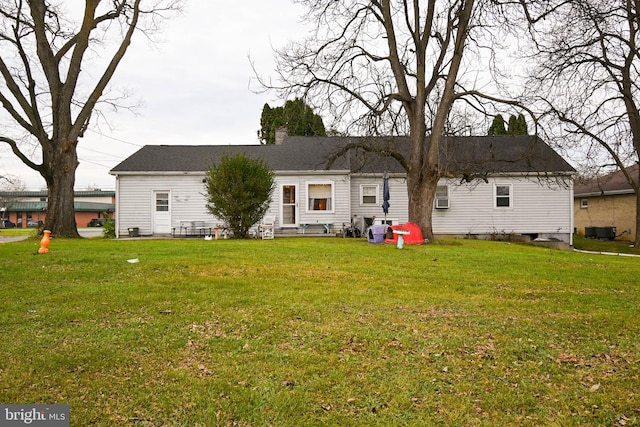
x=568, y=359
x=623, y=421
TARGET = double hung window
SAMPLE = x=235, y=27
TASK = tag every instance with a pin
x=503, y=196
x=320, y=196
x=442, y=197
x=369, y=194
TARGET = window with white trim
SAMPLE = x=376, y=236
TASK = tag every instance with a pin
x=442, y=197
x=503, y=196
x=369, y=194
x=320, y=197
x=584, y=203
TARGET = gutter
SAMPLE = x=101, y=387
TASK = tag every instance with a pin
x=605, y=193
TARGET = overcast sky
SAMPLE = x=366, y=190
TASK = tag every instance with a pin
x=194, y=86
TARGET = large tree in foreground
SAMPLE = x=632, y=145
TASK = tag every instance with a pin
x=587, y=76
x=392, y=67
x=55, y=64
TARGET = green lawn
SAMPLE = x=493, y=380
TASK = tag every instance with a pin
x=320, y=331
x=616, y=246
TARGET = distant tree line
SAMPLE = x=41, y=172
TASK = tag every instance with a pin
x=296, y=116
x=517, y=126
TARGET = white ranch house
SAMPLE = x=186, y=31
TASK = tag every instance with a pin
x=511, y=185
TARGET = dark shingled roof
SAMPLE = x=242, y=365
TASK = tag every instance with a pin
x=304, y=154
x=613, y=183
x=501, y=154
x=459, y=155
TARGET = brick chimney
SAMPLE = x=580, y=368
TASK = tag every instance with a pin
x=281, y=134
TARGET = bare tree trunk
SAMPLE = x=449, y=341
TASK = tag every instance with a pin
x=424, y=170
x=54, y=105
x=421, y=194
x=422, y=174
x=409, y=79
x=587, y=49
x=628, y=86
x=60, y=178
x=636, y=243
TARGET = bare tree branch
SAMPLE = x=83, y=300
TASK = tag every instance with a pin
x=586, y=77
x=42, y=54
x=382, y=67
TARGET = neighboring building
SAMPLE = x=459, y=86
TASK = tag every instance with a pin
x=29, y=208
x=607, y=201
x=518, y=185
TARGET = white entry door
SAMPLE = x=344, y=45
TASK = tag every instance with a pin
x=289, y=205
x=161, y=212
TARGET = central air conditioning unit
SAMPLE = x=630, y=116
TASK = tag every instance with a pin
x=590, y=232
x=606, y=233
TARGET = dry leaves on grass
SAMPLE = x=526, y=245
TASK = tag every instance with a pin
x=564, y=358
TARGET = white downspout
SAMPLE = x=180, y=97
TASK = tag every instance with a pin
x=572, y=202
x=117, y=209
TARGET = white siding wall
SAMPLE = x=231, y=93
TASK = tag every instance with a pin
x=537, y=207
x=341, y=200
x=273, y=207
x=398, y=202
x=135, y=204
x=188, y=202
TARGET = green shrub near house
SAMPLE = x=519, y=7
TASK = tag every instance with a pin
x=239, y=190
x=320, y=331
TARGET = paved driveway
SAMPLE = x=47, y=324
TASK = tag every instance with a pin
x=9, y=239
x=91, y=231
x=84, y=232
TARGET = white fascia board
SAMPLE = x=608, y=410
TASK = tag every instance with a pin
x=157, y=173
x=311, y=172
x=379, y=174
x=532, y=174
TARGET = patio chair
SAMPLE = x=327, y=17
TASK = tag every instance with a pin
x=266, y=229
